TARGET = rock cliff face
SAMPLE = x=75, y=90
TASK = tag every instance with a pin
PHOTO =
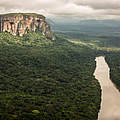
x=21, y=23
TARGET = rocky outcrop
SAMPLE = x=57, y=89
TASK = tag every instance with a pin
x=22, y=23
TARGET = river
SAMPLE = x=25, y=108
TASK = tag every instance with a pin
x=110, y=104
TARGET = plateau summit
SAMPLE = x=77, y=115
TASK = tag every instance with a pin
x=22, y=23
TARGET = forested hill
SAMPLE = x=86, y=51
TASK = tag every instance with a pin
x=46, y=80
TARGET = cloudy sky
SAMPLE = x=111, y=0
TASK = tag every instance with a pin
x=83, y=9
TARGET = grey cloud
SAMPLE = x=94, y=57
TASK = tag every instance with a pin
x=99, y=4
x=65, y=8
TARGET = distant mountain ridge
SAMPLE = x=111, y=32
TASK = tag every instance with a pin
x=22, y=23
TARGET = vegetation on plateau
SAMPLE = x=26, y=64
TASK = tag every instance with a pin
x=19, y=14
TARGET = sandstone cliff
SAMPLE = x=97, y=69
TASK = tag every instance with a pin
x=21, y=23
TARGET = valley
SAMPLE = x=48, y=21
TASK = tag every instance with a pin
x=108, y=45
x=46, y=79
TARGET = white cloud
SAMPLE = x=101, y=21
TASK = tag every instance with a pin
x=65, y=8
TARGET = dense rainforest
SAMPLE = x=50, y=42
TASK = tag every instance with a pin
x=53, y=80
x=113, y=60
x=47, y=80
x=99, y=37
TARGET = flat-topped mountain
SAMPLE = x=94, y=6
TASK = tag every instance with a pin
x=22, y=23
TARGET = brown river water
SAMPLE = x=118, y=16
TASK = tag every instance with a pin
x=110, y=104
